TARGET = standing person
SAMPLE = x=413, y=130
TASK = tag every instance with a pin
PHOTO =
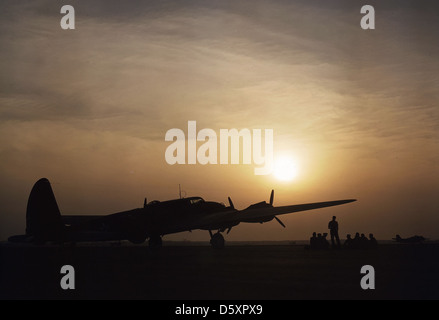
x=333, y=227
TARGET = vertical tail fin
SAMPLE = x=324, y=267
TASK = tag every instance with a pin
x=43, y=218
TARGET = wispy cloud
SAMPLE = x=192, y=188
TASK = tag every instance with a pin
x=131, y=71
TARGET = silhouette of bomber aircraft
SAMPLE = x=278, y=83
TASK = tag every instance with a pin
x=414, y=239
x=45, y=223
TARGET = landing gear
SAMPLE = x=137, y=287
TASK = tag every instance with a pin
x=155, y=241
x=217, y=240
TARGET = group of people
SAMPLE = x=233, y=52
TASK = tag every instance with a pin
x=360, y=242
x=319, y=241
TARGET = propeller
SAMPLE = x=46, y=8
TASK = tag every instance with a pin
x=233, y=207
x=281, y=223
x=271, y=204
x=231, y=203
x=144, y=203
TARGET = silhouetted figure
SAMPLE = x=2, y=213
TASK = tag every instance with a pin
x=325, y=242
x=348, y=243
x=313, y=241
x=364, y=242
x=356, y=241
x=333, y=227
x=373, y=243
x=319, y=241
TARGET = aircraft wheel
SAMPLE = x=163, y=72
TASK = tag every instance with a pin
x=155, y=241
x=217, y=241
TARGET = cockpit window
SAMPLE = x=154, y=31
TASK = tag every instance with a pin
x=196, y=200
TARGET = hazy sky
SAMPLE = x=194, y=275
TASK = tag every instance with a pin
x=357, y=109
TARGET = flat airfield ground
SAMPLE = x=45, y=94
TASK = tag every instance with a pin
x=244, y=272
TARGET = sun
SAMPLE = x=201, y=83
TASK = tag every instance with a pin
x=285, y=168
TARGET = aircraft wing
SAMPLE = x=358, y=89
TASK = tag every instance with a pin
x=270, y=211
x=264, y=212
